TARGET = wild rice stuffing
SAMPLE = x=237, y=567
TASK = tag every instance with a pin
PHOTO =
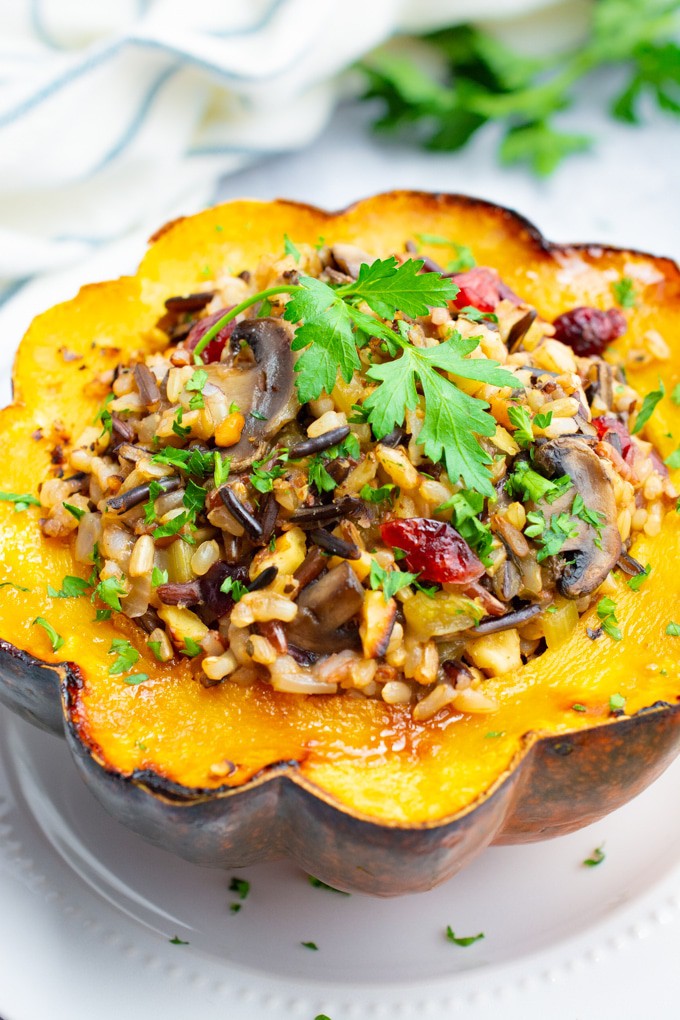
x=429, y=494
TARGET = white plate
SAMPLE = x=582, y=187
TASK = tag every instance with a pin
x=88, y=910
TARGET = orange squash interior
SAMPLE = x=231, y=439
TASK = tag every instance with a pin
x=368, y=756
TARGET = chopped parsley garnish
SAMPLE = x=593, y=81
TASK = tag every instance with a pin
x=158, y=576
x=606, y=610
x=194, y=497
x=71, y=588
x=290, y=249
x=648, y=405
x=624, y=292
x=104, y=416
x=262, y=478
x=529, y=485
x=180, y=430
x=391, y=581
x=75, y=511
x=155, y=490
x=176, y=941
x=11, y=584
x=155, y=647
x=230, y=586
x=673, y=629
x=465, y=506
x=319, y=476
x=520, y=418
x=594, y=518
x=258, y=414
x=493, y=734
x=126, y=656
x=135, y=678
x=56, y=640
x=675, y=395
x=309, y=945
x=21, y=501
x=195, y=385
x=194, y=462
x=373, y=494
x=673, y=461
x=191, y=647
x=221, y=469
x=635, y=583
x=550, y=536
x=578, y=707
x=109, y=591
x=617, y=703
x=541, y=421
x=173, y=526
x=316, y=883
x=240, y=886
x=462, y=940
x=595, y=858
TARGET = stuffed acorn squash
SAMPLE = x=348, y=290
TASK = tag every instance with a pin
x=351, y=536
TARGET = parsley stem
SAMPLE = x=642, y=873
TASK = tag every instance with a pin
x=236, y=310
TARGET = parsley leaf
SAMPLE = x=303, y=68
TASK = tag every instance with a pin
x=388, y=287
x=624, y=292
x=647, y=409
x=606, y=610
x=529, y=485
x=464, y=940
x=230, y=586
x=391, y=581
x=309, y=945
x=675, y=395
x=109, y=591
x=319, y=476
x=290, y=249
x=636, y=582
x=56, y=640
x=453, y=419
x=520, y=418
x=673, y=629
x=326, y=333
x=465, y=506
x=126, y=656
x=673, y=460
x=21, y=500
x=240, y=886
x=595, y=858
x=71, y=588
x=158, y=576
x=75, y=511
x=372, y=494
x=135, y=678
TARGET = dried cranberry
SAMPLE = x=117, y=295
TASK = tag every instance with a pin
x=433, y=549
x=213, y=352
x=588, y=331
x=607, y=425
x=479, y=287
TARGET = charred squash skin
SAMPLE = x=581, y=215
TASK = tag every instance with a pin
x=355, y=791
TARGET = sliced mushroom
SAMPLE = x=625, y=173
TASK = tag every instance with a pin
x=350, y=259
x=585, y=560
x=324, y=611
x=264, y=391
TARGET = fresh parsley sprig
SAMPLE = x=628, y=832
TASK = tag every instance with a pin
x=485, y=82
x=330, y=328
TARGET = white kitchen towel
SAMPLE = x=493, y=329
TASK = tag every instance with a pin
x=114, y=115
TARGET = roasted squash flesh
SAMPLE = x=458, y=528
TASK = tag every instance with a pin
x=371, y=759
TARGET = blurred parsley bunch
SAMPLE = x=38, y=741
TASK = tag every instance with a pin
x=485, y=81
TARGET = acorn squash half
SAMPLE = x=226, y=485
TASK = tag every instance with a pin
x=353, y=789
